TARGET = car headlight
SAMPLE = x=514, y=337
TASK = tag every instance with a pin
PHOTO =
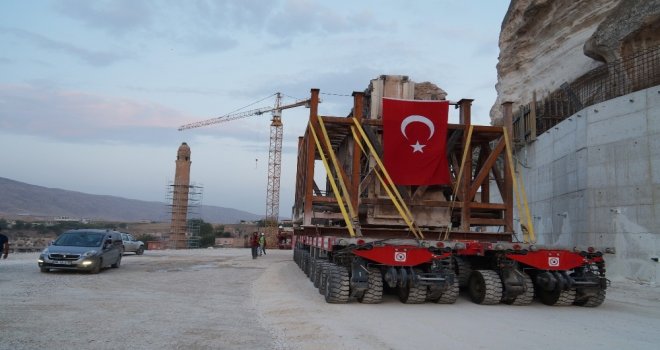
x=89, y=253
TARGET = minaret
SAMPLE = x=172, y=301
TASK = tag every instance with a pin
x=180, y=198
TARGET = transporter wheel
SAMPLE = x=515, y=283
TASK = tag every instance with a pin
x=449, y=296
x=304, y=262
x=557, y=297
x=485, y=287
x=309, y=261
x=313, y=263
x=296, y=256
x=463, y=270
x=592, y=301
x=337, y=287
x=325, y=271
x=374, y=293
x=526, y=297
x=317, y=273
x=412, y=293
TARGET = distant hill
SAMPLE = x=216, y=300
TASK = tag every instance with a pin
x=18, y=198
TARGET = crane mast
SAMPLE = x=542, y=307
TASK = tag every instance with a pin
x=274, y=152
x=274, y=169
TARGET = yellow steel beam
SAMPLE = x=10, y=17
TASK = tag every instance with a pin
x=528, y=235
x=387, y=182
x=338, y=170
x=466, y=149
x=349, y=223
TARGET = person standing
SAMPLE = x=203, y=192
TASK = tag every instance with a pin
x=4, y=243
x=254, y=244
x=262, y=244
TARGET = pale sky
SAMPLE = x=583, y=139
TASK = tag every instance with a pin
x=92, y=92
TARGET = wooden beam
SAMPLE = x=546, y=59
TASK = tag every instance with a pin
x=358, y=101
x=507, y=191
x=485, y=169
x=465, y=119
x=311, y=157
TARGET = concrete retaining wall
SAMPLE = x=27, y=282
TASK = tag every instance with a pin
x=594, y=180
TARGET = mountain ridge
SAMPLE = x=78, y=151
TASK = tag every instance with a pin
x=19, y=198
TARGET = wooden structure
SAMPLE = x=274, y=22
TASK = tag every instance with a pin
x=466, y=210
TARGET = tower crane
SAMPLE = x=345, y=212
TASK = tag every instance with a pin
x=274, y=152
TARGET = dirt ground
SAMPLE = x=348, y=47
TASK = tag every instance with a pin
x=222, y=299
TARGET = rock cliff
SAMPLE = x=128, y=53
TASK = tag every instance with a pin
x=544, y=43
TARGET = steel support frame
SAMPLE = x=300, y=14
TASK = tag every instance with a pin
x=471, y=211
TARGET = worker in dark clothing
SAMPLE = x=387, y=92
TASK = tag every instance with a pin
x=262, y=244
x=254, y=244
x=4, y=244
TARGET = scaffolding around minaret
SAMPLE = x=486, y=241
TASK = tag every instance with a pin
x=185, y=198
x=186, y=215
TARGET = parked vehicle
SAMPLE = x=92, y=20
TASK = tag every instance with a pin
x=84, y=249
x=131, y=244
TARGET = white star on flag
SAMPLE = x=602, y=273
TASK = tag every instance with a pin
x=417, y=147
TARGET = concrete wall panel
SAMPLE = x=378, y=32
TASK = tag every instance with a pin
x=614, y=108
x=616, y=129
x=596, y=182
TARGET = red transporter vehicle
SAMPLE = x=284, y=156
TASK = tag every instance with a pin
x=363, y=234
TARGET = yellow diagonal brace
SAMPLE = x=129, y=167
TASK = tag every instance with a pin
x=397, y=204
x=530, y=222
x=530, y=236
x=347, y=219
x=380, y=163
x=466, y=149
x=389, y=186
x=338, y=170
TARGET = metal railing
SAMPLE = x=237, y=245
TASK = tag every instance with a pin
x=611, y=80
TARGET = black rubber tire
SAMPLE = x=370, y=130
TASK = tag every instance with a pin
x=526, y=297
x=450, y=295
x=374, y=293
x=412, y=294
x=463, y=270
x=44, y=269
x=140, y=250
x=313, y=264
x=317, y=272
x=557, y=297
x=592, y=301
x=326, y=269
x=308, y=262
x=485, y=287
x=117, y=263
x=97, y=268
x=304, y=259
x=337, y=289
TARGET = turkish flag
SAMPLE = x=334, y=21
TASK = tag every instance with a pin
x=414, y=138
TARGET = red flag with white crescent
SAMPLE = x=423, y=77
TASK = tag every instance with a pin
x=414, y=139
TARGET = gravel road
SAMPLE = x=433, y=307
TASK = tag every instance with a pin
x=223, y=299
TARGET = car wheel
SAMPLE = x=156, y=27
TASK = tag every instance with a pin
x=97, y=268
x=117, y=263
x=140, y=250
x=44, y=269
